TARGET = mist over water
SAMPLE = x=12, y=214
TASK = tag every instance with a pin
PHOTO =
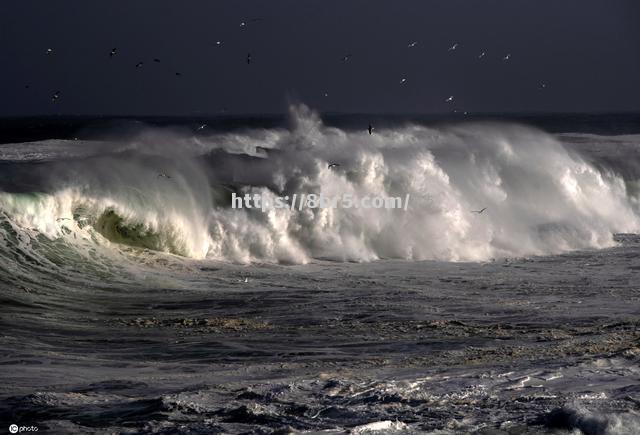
x=541, y=197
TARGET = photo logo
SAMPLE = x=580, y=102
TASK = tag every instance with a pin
x=14, y=428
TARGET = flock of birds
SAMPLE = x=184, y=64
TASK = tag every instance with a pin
x=346, y=58
x=114, y=51
x=453, y=47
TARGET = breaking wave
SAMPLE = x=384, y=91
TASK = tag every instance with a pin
x=541, y=195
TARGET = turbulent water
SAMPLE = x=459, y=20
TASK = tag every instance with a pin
x=134, y=302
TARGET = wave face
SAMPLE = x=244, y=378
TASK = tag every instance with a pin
x=543, y=194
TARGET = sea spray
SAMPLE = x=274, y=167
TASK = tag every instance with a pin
x=540, y=197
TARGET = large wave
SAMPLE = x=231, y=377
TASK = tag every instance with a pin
x=541, y=197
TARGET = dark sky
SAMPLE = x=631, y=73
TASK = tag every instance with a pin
x=586, y=51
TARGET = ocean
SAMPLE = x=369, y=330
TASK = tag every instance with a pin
x=137, y=300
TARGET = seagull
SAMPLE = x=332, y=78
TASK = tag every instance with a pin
x=333, y=165
x=139, y=64
x=55, y=96
x=178, y=74
x=370, y=129
x=202, y=127
x=453, y=47
x=252, y=20
x=156, y=60
x=246, y=279
x=403, y=81
x=412, y=44
x=163, y=175
x=326, y=94
x=113, y=52
x=507, y=57
x=248, y=58
x=449, y=100
x=49, y=51
x=478, y=211
x=543, y=85
x=219, y=43
x=483, y=54
x=346, y=57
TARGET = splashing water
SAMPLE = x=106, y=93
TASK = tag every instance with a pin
x=541, y=197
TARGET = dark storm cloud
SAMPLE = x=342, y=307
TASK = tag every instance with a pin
x=586, y=52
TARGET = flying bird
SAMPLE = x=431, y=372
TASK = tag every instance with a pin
x=243, y=24
x=370, y=129
x=403, y=81
x=219, y=43
x=163, y=175
x=178, y=74
x=202, y=127
x=507, y=57
x=113, y=52
x=346, y=57
x=333, y=165
x=55, y=96
x=543, y=85
x=483, y=54
x=49, y=51
x=156, y=60
x=139, y=64
x=248, y=58
x=449, y=100
x=478, y=211
x=412, y=44
x=454, y=47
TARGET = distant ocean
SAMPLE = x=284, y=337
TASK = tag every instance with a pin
x=20, y=129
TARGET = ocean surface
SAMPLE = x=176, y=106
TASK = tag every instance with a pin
x=136, y=300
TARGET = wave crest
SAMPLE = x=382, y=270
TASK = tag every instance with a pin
x=541, y=197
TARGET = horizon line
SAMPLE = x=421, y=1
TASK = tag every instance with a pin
x=242, y=115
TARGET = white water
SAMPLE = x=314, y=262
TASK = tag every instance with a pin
x=541, y=198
